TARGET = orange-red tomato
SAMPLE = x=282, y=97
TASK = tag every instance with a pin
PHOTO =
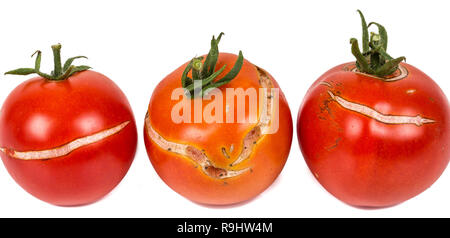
x=199, y=160
x=67, y=142
x=375, y=143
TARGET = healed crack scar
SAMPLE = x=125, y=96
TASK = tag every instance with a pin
x=387, y=119
x=66, y=148
x=193, y=153
x=263, y=125
x=401, y=73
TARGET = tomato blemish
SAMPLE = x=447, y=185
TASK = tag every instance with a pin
x=67, y=148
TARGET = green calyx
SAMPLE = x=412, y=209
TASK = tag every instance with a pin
x=374, y=60
x=59, y=73
x=204, y=73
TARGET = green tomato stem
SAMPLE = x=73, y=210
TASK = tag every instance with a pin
x=373, y=59
x=57, y=60
x=204, y=71
x=59, y=73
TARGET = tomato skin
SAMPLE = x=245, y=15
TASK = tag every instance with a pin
x=365, y=162
x=41, y=114
x=184, y=176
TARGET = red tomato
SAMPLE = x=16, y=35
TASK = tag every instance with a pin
x=375, y=143
x=200, y=160
x=67, y=142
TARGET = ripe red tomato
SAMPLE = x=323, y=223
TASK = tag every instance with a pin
x=218, y=163
x=69, y=141
x=375, y=141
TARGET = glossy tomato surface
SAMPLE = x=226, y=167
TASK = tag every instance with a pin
x=185, y=175
x=375, y=143
x=42, y=115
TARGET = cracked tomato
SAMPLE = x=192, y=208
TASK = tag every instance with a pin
x=376, y=132
x=67, y=138
x=209, y=147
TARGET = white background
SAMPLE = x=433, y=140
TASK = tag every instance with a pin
x=137, y=43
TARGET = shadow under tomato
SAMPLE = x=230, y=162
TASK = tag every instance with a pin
x=370, y=208
x=239, y=204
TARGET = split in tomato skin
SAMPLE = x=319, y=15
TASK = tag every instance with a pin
x=375, y=141
x=42, y=114
x=365, y=162
x=186, y=176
